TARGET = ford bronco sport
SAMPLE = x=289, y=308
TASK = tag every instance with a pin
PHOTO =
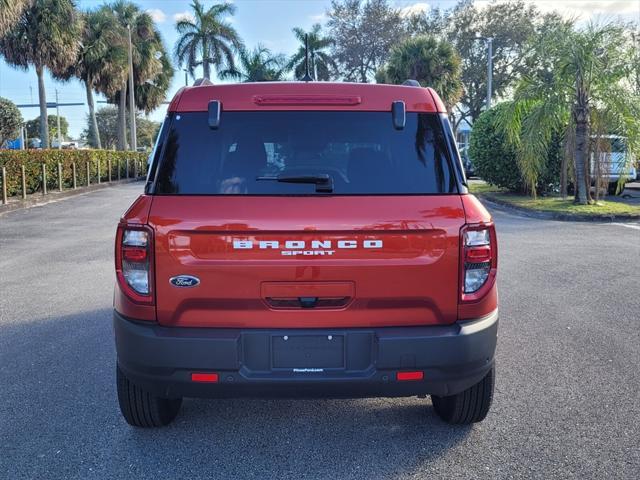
x=305, y=239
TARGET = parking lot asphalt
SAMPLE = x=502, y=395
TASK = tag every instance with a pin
x=567, y=401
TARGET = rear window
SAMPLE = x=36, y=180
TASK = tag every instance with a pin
x=283, y=153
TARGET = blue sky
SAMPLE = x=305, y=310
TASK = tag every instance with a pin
x=258, y=21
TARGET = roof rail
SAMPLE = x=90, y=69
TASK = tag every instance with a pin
x=202, y=82
x=411, y=83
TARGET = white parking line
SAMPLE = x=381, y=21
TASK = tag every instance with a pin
x=634, y=226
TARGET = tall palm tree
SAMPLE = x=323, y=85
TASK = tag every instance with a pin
x=207, y=39
x=583, y=76
x=149, y=61
x=10, y=11
x=101, y=63
x=46, y=35
x=257, y=65
x=150, y=93
x=320, y=62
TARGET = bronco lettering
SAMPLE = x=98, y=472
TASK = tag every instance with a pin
x=302, y=245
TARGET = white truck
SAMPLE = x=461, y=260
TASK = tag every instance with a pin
x=614, y=163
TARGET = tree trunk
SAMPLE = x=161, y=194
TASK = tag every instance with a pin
x=94, y=134
x=563, y=176
x=206, y=67
x=44, y=121
x=122, y=119
x=581, y=118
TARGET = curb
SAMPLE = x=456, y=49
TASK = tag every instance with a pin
x=36, y=199
x=564, y=217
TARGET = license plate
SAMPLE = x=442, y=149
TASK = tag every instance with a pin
x=308, y=351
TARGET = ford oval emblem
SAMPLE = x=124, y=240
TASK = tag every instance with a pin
x=184, y=281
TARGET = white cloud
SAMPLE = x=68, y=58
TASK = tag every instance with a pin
x=158, y=15
x=584, y=9
x=183, y=16
x=415, y=9
x=318, y=18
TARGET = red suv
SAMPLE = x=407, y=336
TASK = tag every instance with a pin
x=305, y=239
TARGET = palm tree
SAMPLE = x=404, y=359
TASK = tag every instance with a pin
x=432, y=62
x=150, y=93
x=10, y=11
x=150, y=64
x=101, y=62
x=320, y=62
x=582, y=81
x=46, y=35
x=257, y=65
x=207, y=39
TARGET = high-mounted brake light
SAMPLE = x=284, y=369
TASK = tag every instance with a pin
x=307, y=100
x=134, y=267
x=478, y=260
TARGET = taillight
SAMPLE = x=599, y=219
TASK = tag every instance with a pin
x=478, y=260
x=134, y=262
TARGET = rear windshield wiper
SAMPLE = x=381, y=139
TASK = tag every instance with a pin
x=323, y=181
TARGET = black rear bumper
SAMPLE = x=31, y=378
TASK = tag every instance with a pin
x=352, y=362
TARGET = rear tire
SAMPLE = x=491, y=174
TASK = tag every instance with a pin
x=469, y=406
x=142, y=409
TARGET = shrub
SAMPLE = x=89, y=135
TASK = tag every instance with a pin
x=33, y=160
x=10, y=120
x=494, y=159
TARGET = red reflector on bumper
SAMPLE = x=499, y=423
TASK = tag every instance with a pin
x=406, y=376
x=204, y=377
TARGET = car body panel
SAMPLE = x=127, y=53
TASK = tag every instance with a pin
x=409, y=277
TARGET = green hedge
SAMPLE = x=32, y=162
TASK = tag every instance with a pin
x=33, y=160
x=494, y=160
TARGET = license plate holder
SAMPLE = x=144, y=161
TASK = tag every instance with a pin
x=307, y=351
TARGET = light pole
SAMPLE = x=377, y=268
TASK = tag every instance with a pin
x=636, y=41
x=489, y=41
x=58, y=121
x=132, y=100
x=186, y=78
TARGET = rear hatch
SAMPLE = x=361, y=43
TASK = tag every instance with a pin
x=305, y=219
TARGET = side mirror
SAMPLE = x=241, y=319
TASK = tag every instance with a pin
x=399, y=114
x=215, y=108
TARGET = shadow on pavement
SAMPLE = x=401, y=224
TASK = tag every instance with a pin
x=60, y=419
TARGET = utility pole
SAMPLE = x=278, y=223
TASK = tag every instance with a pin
x=132, y=100
x=58, y=121
x=186, y=78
